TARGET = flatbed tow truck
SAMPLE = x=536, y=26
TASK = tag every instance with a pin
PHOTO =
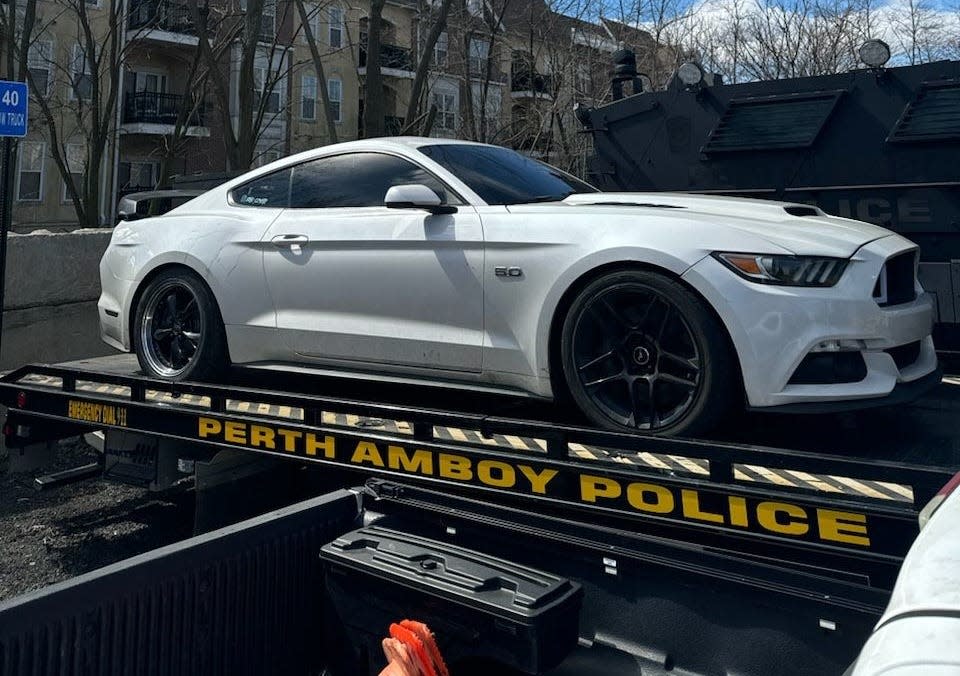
x=528, y=546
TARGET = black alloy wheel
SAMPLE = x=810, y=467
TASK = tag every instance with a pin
x=641, y=353
x=178, y=332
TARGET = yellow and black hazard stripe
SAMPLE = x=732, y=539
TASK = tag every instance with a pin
x=673, y=464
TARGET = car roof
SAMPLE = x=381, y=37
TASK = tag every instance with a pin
x=378, y=143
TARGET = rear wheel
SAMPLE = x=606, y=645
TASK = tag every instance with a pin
x=178, y=333
x=641, y=352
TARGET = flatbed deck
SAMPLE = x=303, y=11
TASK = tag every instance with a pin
x=922, y=433
x=733, y=496
x=813, y=541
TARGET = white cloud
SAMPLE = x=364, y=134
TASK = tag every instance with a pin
x=754, y=39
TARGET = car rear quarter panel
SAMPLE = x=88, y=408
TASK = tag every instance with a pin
x=223, y=247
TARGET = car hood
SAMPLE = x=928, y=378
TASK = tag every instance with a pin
x=800, y=228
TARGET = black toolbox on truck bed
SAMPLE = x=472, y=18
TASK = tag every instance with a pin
x=477, y=605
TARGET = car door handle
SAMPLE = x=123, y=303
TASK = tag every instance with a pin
x=290, y=240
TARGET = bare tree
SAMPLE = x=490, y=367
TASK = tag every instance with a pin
x=918, y=28
x=317, y=61
x=374, y=106
x=84, y=118
x=173, y=145
x=438, y=23
x=240, y=29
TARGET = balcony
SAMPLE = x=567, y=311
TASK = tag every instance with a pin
x=162, y=21
x=526, y=84
x=155, y=113
x=395, y=61
x=478, y=69
x=392, y=124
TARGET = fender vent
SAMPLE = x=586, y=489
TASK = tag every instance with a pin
x=801, y=210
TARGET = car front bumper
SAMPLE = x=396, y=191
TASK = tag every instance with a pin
x=774, y=328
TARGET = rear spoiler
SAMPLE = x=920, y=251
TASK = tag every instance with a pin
x=138, y=205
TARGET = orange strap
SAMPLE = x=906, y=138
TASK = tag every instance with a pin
x=412, y=650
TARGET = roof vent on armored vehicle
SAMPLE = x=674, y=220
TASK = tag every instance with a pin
x=772, y=122
x=934, y=115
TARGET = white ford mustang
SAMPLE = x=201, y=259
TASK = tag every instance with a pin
x=470, y=265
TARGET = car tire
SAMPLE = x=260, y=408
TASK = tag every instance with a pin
x=642, y=353
x=182, y=339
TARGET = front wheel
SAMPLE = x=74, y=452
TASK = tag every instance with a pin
x=178, y=333
x=641, y=352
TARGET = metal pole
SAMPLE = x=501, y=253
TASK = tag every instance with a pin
x=6, y=207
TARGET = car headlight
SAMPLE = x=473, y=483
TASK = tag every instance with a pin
x=785, y=270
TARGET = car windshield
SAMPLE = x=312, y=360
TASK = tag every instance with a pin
x=502, y=176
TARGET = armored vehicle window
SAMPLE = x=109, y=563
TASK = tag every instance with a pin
x=357, y=180
x=772, y=123
x=933, y=116
x=272, y=190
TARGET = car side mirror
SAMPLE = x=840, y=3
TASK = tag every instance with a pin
x=416, y=196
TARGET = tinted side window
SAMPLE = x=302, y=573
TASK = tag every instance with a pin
x=503, y=176
x=356, y=180
x=272, y=190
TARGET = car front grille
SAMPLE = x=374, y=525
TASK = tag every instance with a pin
x=905, y=355
x=897, y=282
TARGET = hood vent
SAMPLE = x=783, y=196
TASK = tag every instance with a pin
x=634, y=204
x=801, y=210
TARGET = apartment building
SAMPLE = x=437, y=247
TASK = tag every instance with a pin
x=506, y=74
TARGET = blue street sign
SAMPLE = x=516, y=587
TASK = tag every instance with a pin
x=13, y=108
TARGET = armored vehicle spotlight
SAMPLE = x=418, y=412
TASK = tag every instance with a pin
x=690, y=74
x=875, y=53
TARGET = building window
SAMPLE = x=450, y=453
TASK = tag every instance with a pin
x=313, y=16
x=268, y=21
x=446, y=103
x=137, y=176
x=266, y=157
x=486, y=111
x=76, y=164
x=39, y=58
x=335, y=17
x=440, y=50
x=81, y=81
x=262, y=86
x=584, y=81
x=308, y=97
x=30, y=174
x=479, y=55
x=335, y=93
